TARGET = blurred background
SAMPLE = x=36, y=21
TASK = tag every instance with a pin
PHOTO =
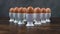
x=6, y=4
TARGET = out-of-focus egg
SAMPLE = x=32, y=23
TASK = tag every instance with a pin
x=30, y=10
x=43, y=10
x=24, y=10
x=11, y=10
x=15, y=10
x=48, y=10
x=37, y=10
x=20, y=10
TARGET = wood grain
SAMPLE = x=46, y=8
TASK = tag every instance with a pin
x=6, y=28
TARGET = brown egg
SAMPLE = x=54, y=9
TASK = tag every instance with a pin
x=37, y=10
x=11, y=10
x=48, y=10
x=20, y=10
x=15, y=10
x=40, y=10
x=43, y=10
x=24, y=10
x=30, y=10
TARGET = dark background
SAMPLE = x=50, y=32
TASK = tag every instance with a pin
x=6, y=4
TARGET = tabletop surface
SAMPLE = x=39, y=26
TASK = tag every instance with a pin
x=7, y=28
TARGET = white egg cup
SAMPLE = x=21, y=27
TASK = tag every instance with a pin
x=37, y=19
x=15, y=17
x=29, y=18
x=20, y=18
x=24, y=17
x=42, y=17
x=48, y=15
x=11, y=17
x=48, y=20
x=11, y=20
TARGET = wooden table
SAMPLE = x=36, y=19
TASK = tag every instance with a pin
x=6, y=28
